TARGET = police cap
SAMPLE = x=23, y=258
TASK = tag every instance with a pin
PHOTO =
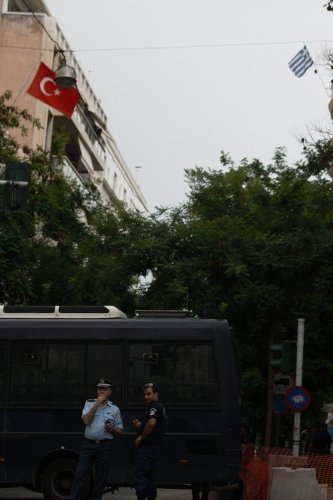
x=103, y=382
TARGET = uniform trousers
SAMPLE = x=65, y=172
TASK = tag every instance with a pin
x=144, y=476
x=97, y=454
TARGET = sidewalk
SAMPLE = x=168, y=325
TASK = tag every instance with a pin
x=20, y=493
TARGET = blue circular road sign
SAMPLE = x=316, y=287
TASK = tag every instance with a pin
x=298, y=398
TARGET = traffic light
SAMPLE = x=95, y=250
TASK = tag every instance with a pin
x=15, y=197
x=286, y=359
x=16, y=186
x=289, y=349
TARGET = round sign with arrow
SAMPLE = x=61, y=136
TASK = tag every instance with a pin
x=298, y=398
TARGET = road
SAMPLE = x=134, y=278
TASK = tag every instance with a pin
x=20, y=493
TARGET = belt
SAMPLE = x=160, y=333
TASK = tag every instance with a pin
x=97, y=441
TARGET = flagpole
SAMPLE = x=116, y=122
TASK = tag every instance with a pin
x=322, y=82
x=320, y=78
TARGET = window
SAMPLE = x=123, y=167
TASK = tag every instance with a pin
x=19, y=6
x=195, y=372
x=28, y=372
x=115, y=181
x=62, y=372
x=104, y=360
x=65, y=372
x=185, y=373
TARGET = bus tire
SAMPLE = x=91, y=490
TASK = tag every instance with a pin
x=57, y=479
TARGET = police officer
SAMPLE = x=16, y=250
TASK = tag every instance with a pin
x=150, y=431
x=103, y=422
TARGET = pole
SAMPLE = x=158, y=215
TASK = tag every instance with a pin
x=268, y=428
x=298, y=382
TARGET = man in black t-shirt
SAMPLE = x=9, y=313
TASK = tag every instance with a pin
x=320, y=439
x=150, y=431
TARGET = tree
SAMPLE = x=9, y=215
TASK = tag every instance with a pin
x=254, y=244
x=68, y=247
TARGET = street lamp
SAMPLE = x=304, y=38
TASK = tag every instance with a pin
x=65, y=76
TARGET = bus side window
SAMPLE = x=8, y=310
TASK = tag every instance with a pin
x=105, y=358
x=61, y=373
x=28, y=371
x=150, y=362
x=66, y=372
x=185, y=373
x=42, y=372
x=195, y=375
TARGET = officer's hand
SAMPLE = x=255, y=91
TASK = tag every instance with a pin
x=136, y=423
x=108, y=426
x=102, y=398
x=138, y=441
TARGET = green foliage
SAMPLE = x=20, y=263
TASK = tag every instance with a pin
x=67, y=247
x=11, y=118
x=254, y=244
x=59, y=140
x=253, y=385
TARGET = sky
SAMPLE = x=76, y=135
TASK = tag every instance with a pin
x=182, y=80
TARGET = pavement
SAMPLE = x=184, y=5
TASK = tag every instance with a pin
x=21, y=493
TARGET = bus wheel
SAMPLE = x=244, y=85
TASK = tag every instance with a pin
x=57, y=479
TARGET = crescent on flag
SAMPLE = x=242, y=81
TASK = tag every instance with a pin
x=43, y=82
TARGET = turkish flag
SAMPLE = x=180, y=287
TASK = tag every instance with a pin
x=46, y=90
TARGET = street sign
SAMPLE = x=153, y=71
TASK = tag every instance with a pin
x=279, y=404
x=298, y=398
x=281, y=383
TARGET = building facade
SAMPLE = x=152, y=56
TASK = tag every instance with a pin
x=30, y=35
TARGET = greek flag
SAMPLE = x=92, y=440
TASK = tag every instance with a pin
x=301, y=62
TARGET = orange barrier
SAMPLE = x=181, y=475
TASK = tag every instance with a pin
x=257, y=463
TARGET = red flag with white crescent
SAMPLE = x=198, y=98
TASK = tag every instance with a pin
x=44, y=88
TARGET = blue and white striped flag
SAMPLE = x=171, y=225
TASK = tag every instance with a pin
x=301, y=62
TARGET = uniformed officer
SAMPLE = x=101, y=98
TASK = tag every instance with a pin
x=103, y=422
x=150, y=431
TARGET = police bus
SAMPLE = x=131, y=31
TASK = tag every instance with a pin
x=50, y=359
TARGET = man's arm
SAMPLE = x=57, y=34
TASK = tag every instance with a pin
x=116, y=431
x=117, y=428
x=146, y=431
x=89, y=416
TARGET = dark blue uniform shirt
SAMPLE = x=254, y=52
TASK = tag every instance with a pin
x=155, y=410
